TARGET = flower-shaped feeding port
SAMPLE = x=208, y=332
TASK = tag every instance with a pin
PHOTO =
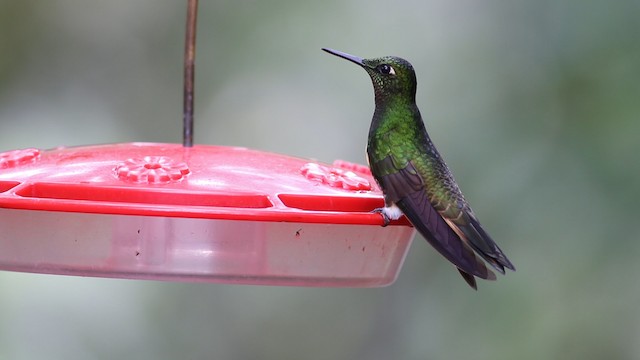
x=152, y=170
x=14, y=158
x=205, y=213
x=346, y=165
x=335, y=177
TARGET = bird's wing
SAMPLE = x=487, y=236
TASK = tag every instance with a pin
x=405, y=187
x=464, y=223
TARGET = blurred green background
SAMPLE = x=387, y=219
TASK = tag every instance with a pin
x=534, y=104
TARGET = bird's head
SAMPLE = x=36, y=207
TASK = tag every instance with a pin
x=392, y=76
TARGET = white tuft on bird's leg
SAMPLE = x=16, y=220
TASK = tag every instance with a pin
x=389, y=213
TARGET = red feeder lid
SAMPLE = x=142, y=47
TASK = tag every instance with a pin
x=206, y=213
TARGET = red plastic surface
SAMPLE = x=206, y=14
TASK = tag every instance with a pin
x=212, y=182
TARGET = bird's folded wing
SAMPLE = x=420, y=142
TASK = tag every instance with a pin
x=469, y=229
x=405, y=187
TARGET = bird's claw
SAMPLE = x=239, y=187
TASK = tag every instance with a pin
x=385, y=218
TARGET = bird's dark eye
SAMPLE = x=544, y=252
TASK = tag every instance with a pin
x=386, y=69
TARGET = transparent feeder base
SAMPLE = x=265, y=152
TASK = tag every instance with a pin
x=202, y=250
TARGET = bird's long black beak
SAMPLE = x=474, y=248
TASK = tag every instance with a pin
x=351, y=58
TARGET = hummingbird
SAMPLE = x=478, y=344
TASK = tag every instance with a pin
x=414, y=178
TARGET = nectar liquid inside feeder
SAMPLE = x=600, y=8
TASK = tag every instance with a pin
x=205, y=213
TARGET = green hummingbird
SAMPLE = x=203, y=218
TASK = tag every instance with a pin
x=415, y=180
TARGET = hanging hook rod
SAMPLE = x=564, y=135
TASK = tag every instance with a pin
x=189, y=70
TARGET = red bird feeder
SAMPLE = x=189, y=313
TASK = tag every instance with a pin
x=205, y=213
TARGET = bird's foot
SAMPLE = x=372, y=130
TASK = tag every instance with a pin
x=385, y=217
x=388, y=213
